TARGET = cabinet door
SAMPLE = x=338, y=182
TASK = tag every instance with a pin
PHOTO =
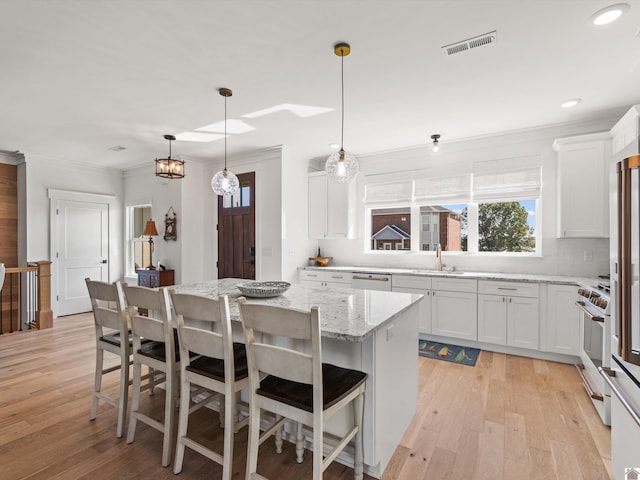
x=562, y=320
x=492, y=319
x=522, y=322
x=455, y=314
x=424, y=307
x=583, y=188
x=317, y=206
x=337, y=209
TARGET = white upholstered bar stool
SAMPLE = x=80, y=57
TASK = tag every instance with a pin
x=160, y=354
x=112, y=335
x=221, y=367
x=298, y=385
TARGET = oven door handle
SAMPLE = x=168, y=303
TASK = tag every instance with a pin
x=607, y=374
x=581, y=305
x=587, y=385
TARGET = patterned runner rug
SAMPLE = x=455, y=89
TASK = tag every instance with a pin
x=448, y=352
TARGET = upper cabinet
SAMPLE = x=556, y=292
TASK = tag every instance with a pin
x=627, y=130
x=331, y=208
x=583, y=201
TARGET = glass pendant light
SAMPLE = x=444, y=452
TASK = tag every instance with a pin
x=341, y=166
x=225, y=182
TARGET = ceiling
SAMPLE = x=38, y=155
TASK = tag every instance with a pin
x=79, y=77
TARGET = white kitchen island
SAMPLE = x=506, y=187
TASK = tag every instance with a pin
x=375, y=332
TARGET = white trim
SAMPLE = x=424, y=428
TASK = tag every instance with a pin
x=79, y=196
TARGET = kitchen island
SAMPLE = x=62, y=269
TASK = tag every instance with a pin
x=375, y=332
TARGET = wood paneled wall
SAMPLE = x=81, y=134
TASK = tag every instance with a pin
x=9, y=215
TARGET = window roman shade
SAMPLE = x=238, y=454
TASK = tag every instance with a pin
x=454, y=189
x=524, y=183
x=389, y=192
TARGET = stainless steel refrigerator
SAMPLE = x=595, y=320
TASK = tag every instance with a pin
x=623, y=377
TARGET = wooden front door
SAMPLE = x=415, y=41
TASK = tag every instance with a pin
x=237, y=231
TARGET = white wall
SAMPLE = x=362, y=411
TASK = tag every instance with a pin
x=296, y=245
x=141, y=186
x=559, y=256
x=42, y=174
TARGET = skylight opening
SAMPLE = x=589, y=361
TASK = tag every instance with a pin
x=233, y=126
x=301, y=111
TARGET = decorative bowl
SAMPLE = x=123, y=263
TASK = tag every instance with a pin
x=263, y=289
x=321, y=261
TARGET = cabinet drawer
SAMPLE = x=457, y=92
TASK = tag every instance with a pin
x=511, y=289
x=411, y=281
x=318, y=276
x=454, y=284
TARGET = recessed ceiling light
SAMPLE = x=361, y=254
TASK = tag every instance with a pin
x=198, y=137
x=299, y=110
x=233, y=126
x=117, y=148
x=572, y=102
x=609, y=14
x=334, y=146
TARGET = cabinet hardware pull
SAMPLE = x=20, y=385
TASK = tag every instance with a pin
x=337, y=276
x=626, y=403
x=587, y=385
x=311, y=275
x=581, y=305
x=503, y=300
x=508, y=288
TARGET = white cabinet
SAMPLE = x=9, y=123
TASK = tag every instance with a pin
x=419, y=285
x=583, y=185
x=562, y=320
x=626, y=131
x=331, y=208
x=508, y=313
x=454, y=308
x=316, y=278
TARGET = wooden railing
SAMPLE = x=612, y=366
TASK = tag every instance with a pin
x=25, y=299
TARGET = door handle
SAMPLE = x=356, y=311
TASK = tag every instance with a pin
x=252, y=251
x=105, y=261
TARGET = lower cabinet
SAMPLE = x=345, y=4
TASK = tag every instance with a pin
x=455, y=314
x=562, y=320
x=418, y=285
x=507, y=318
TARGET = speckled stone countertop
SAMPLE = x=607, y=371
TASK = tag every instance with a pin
x=514, y=277
x=346, y=314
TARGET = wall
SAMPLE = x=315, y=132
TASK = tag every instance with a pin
x=42, y=174
x=141, y=186
x=559, y=256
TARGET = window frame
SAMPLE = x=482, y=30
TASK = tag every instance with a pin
x=130, y=240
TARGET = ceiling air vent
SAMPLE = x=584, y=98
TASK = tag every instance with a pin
x=117, y=148
x=471, y=43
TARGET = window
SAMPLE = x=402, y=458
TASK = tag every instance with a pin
x=391, y=228
x=494, y=210
x=507, y=226
x=138, y=252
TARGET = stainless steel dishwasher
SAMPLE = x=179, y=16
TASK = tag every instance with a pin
x=370, y=281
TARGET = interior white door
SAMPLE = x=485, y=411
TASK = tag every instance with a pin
x=83, y=251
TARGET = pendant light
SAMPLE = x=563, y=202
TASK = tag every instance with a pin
x=225, y=182
x=341, y=166
x=169, y=167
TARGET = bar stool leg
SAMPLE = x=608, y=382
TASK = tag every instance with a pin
x=358, y=409
x=278, y=436
x=299, y=443
x=97, y=384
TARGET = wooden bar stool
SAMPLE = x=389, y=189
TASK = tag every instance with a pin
x=221, y=367
x=160, y=353
x=112, y=335
x=298, y=385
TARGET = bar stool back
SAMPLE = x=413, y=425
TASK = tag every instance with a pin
x=112, y=335
x=221, y=367
x=298, y=385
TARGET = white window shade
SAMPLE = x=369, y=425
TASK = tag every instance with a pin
x=388, y=192
x=453, y=189
x=507, y=184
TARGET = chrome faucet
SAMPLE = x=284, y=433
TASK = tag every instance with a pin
x=439, y=257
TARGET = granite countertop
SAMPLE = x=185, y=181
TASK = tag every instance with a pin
x=515, y=277
x=346, y=314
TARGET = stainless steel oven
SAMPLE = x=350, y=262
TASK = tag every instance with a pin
x=595, y=349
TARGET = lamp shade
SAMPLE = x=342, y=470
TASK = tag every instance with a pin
x=150, y=229
x=169, y=168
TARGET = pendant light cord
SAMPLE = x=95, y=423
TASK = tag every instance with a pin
x=225, y=133
x=342, y=93
x=169, y=149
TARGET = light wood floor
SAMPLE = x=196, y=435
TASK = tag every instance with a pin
x=507, y=418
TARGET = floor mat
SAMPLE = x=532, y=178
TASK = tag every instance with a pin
x=448, y=352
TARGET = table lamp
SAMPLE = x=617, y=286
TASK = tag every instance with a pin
x=150, y=230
